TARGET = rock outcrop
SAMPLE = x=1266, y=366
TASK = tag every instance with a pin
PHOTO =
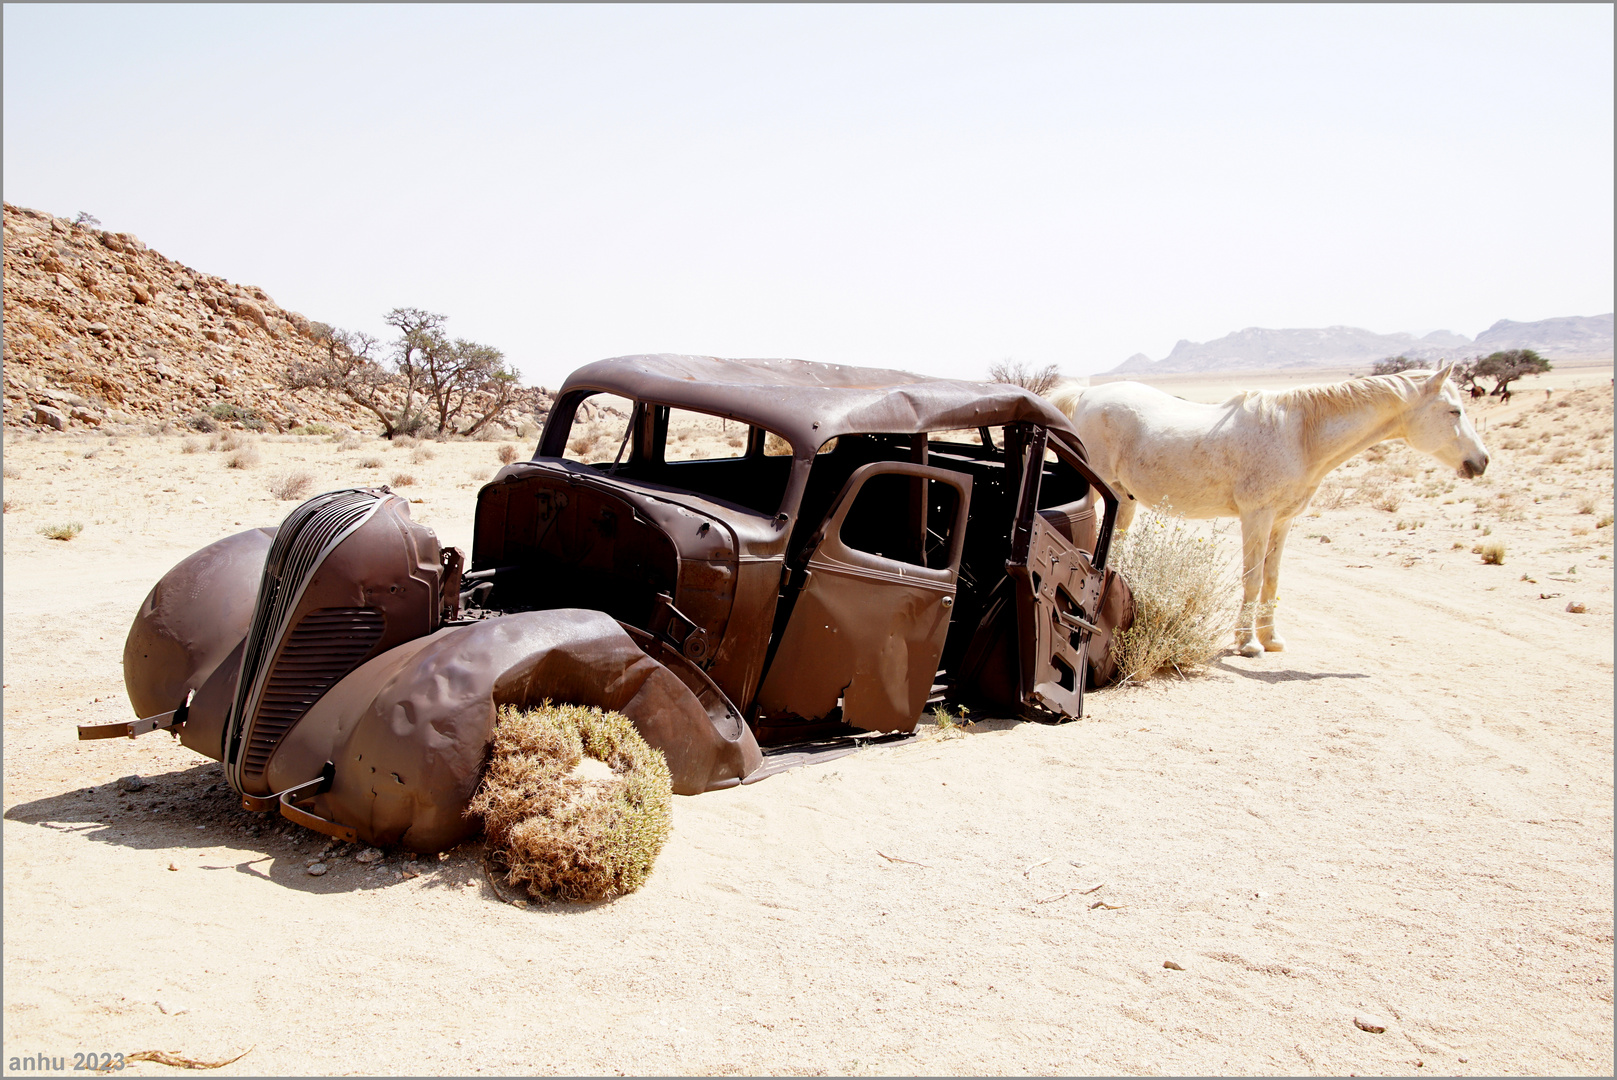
x=102, y=331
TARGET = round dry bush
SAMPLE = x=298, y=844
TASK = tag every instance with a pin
x=561, y=828
x=1186, y=597
x=508, y=454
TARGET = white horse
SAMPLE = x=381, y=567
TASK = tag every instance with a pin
x=1260, y=456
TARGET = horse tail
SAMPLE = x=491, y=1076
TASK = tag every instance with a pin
x=1064, y=396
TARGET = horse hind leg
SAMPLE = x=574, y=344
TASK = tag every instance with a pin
x=1270, y=597
x=1255, y=532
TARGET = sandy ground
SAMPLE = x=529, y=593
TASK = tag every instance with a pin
x=1408, y=814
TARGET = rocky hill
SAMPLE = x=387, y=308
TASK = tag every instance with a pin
x=101, y=331
x=1572, y=337
x=1260, y=349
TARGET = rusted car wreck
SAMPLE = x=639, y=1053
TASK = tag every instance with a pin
x=877, y=541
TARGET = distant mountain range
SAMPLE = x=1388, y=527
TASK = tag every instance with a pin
x=1571, y=337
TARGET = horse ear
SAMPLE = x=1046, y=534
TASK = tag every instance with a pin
x=1436, y=382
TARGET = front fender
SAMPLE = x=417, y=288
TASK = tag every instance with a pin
x=188, y=630
x=408, y=732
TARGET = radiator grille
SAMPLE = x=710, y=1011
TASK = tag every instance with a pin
x=325, y=645
x=309, y=534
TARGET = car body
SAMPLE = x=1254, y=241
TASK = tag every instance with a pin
x=874, y=541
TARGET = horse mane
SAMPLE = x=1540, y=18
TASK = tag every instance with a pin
x=1315, y=405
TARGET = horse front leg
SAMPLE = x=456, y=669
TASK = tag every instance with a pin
x=1271, y=588
x=1255, y=529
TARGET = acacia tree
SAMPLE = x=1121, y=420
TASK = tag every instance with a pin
x=450, y=377
x=1392, y=365
x=1506, y=367
x=452, y=374
x=351, y=368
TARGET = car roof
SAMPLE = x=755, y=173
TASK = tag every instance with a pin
x=809, y=403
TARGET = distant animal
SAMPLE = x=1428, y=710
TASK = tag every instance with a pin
x=1260, y=456
x=1477, y=391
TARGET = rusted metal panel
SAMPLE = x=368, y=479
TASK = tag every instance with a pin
x=804, y=403
x=867, y=631
x=408, y=731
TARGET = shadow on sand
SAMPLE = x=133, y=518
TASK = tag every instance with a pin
x=1285, y=675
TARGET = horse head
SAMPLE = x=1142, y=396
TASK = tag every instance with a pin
x=1436, y=424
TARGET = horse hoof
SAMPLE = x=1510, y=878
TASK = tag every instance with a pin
x=1252, y=648
x=1275, y=645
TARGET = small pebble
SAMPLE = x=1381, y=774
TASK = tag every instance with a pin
x=131, y=783
x=1171, y=966
x=171, y=866
x=1575, y=607
x=410, y=874
x=369, y=855
x=315, y=869
x=1373, y=1024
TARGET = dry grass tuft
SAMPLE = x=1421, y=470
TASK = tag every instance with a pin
x=190, y=446
x=422, y=455
x=370, y=463
x=245, y=457
x=402, y=479
x=1185, y=594
x=292, y=485
x=65, y=530
x=12, y=473
x=1387, y=499
x=1492, y=552
x=555, y=830
x=508, y=454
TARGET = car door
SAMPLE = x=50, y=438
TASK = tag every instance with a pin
x=870, y=618
x=1058, y=593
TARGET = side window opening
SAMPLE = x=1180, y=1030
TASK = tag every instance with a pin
x=598, y=430
x=695, y=436
x=903, y=518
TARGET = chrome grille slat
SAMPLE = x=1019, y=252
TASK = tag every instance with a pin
x=321, y=649
x=303, y=541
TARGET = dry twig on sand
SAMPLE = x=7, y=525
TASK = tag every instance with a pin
x=178, y=1060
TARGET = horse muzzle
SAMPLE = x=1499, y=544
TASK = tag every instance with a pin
x=1471, y=468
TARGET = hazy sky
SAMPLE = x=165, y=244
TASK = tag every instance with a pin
x=932, y=188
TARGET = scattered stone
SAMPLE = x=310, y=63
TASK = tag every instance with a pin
x=407, y=874
x=1371, y=1023
x=131, y=783
x=1576, y=607
x=1171, y=966
x=369, y=855
x=98, y=328
x=315, y=869
x=171, y=866
x=44, y=414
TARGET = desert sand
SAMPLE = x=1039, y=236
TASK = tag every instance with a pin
x=1407, y=815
